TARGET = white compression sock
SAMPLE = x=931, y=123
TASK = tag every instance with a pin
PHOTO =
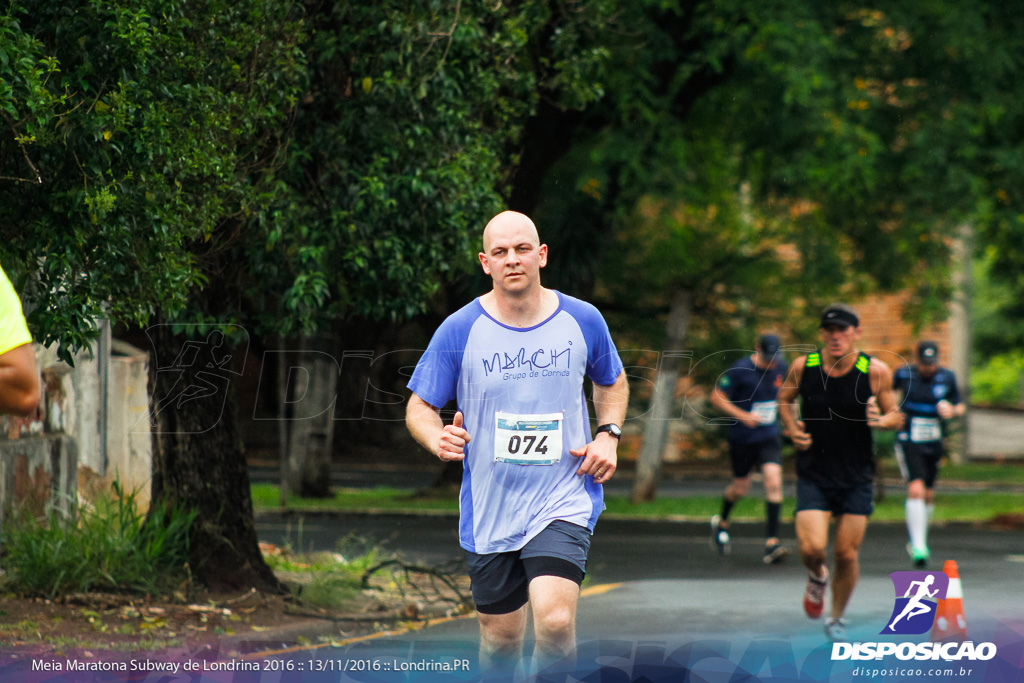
x=917, y=523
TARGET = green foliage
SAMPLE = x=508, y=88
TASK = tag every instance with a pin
x=152, y=135
x=862, y=137
x=997, y=380
x=265, y=162
x=335, y=159
x=995, y=327
x=403, y=147
x=110, y=547
x=267, y=496
x=329, y=579
x=334, y=584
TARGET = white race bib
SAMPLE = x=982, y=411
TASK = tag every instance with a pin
x=925, y=429
x=528, y=439
x=764, y=411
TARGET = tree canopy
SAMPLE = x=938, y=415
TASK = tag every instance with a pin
x=257, y=166
x=329, y=159
x=146, y=135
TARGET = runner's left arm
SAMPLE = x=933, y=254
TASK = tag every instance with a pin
x=956, y=406
x=599, y=456
x=883, y=409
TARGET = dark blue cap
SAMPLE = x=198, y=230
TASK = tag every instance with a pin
x=928, y=353
x=768, y=344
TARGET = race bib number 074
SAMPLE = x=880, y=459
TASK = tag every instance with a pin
x=528, y=439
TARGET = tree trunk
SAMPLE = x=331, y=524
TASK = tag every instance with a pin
x=648, y=466
x=960, y=336
x=198, y=460
x=282, y=425
x=314, y=389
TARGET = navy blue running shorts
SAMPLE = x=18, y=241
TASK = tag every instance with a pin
x=919, y=461
x=745, y=456
x=500, y=581
x=858, y=499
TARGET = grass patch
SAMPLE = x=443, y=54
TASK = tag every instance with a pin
x=110, y=546
x=327, y=579
x=267, y=496
x=978, y=506
x=997, y=474
x=955, y=507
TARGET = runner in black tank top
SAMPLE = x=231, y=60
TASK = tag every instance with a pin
x=844, y=394
x=834, y=410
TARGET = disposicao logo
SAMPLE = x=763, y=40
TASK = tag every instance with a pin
x=917, y=594
x=914, y=611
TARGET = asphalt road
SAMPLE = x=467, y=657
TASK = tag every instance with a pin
x=656, y=589
x=717, y=593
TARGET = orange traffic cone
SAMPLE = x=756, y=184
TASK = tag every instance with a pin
x=950, y=622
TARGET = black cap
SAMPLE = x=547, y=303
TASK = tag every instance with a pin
x=768, y=345
x=843, y=317
x=928, y=353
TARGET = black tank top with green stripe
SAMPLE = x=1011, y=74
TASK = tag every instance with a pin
x=834, y=411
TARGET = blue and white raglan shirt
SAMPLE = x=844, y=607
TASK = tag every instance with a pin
x=521, y=394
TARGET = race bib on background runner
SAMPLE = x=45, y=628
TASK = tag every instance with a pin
x=764, y=411
x=528, y=439
x=925, y=429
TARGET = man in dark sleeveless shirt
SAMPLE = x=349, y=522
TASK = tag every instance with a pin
x=844, y=394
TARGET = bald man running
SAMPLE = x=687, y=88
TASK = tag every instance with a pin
x=514, y=361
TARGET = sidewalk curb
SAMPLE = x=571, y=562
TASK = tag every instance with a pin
x=609, y=516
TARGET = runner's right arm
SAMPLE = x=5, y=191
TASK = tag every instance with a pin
x=720, y=401
x=423, y=420
x=788, y=394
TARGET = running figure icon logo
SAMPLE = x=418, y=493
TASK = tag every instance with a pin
x=916, y=596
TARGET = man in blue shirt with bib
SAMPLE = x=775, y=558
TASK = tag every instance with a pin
x=514, y=361
x=747, y=391
x=929, y=395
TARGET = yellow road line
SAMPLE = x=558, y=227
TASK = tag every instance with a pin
x=599, y=590
x=590, y=591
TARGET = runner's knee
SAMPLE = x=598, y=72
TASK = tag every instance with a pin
x=916, y=489
x=739, y=488
x=813, y=554
x=848, y=557
x=501, y=636
x=555, y=622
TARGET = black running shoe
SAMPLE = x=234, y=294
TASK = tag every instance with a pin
x=775, y=553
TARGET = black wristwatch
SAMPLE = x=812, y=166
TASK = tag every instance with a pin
x=612, y=429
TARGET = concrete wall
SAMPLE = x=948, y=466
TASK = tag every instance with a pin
x=35, y=471
x=129, y=442
x=91, y=429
